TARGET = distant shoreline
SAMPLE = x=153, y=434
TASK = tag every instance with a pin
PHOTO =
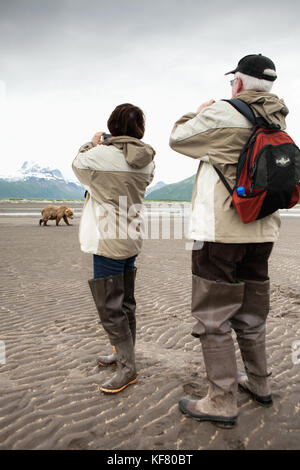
x=38, y=200
x=35, y=199
x=146, y=202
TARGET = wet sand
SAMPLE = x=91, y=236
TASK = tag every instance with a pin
x=49, y=385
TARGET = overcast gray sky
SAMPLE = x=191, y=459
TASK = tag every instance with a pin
x=65, y=65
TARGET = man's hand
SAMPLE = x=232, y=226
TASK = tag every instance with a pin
x=204, y=105
x=97, y=138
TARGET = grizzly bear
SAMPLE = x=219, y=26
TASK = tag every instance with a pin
x=56, y=213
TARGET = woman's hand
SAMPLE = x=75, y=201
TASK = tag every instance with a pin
x=97, y=138
x=204, y=105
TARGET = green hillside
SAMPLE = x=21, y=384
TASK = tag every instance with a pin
x=40, y=189
x=181, y=191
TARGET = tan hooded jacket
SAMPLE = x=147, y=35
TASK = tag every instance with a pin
x=216, y=137
x=116, y=174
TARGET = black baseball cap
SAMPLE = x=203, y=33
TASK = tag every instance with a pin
x=256, y=65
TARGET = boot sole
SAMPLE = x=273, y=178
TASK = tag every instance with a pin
x=220, y=421
x=101, y=364
x=116, y=390
x=262, y=401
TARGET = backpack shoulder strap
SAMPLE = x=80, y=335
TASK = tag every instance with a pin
x=224, y=180
x=244, y=109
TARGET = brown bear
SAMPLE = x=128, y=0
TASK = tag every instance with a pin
x=56, y=213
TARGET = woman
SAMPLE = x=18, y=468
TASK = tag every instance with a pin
x=115, y=170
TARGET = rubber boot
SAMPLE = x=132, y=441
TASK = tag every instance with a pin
x=250, y=327
x=129, y=307
x=129, y=303
x=220, y=404
x=109, y=360
x=213, y=305
x=126, y=371
x=253, y=389
x=108, y=294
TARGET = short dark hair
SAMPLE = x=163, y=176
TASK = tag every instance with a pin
x=127, y=119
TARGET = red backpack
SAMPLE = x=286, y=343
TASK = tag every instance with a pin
x=268, y=170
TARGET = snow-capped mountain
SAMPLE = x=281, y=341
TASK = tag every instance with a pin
x=32, y=169
x=33, y=180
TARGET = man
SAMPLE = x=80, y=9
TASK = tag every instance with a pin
x=230, y=286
